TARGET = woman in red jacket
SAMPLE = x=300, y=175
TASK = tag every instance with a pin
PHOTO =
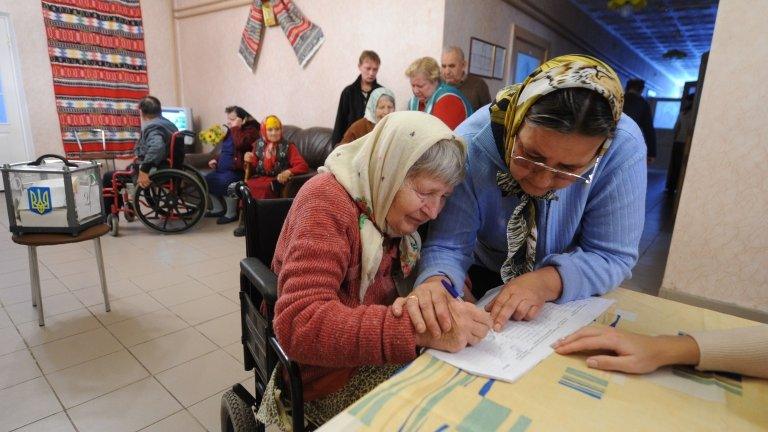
x=347, y=248
x=273, y=161
x=228, y=164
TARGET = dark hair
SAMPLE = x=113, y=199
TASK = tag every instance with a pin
x=573, y=110
x=239, y=112
x=369, y=55
x=150, y=106
x=636, y=85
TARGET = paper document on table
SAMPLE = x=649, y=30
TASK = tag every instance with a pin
x=521, y=345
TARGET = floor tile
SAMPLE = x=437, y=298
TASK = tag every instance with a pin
x=10, y=340
x=126, y=410
x=89, y=277
x=76, y=385
x=17, y=367
x=62, y=256
x=55, y=423
x=182, y=421
x=26, y=402
x=223, y=330
x=181, y=293
x=116, y=290
x=210, y=267
x=146, y=327
x=204, y=309
x=54, y=305
x=235, y=350
x=59, y=327
x=20, y=277
x=13, y=265
x=189, y=386
x=172, y=350
x=208, y=412
x=23, y=293
x=73, y=350
x=222, y=281
x=63, y=269
x=153, y=281
x=126, y=308
x=5, y=320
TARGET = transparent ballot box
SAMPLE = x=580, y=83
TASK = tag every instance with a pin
x=53, y=195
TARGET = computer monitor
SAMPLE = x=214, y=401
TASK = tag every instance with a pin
x=180, y=116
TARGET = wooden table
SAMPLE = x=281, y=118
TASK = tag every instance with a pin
x=561, y=393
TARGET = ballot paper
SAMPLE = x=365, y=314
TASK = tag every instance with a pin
x=520, y=345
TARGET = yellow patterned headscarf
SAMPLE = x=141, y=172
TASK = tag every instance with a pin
x=567, y=71
x=508, y=111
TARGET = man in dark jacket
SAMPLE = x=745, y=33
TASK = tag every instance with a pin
x=354, y=97
x=639, y=110
x=152, y=148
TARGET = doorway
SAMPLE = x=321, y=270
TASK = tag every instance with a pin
x=528, y=52
x=15, y=136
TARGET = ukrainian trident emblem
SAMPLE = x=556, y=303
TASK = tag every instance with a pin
x=39, y=199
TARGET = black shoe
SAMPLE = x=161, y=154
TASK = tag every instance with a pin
x=225, y=220
x=239, y=231
x=211, y=214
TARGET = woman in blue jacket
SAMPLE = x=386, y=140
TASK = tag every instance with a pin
x=552, y=207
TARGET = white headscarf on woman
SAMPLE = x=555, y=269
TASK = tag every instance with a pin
x=373, y=100
x=372, y=169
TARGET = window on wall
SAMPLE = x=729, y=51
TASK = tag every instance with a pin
x=665, y=113
x=524, y=65
x=3, y=113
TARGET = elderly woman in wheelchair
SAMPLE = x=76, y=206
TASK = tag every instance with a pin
x=347, y=248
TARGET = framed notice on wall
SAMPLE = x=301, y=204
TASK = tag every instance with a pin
x=486, y=59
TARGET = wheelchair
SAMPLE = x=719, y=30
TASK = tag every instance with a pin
x=174, y=202
x=258, y=294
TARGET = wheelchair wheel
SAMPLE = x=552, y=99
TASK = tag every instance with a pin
x=129, y=213
x=114, y=226
x=192, y=170
x=173, y=203
x=236, y=415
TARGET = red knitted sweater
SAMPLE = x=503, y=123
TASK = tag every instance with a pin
x=319, y=319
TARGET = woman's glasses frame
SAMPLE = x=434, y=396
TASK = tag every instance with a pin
x=569, y=177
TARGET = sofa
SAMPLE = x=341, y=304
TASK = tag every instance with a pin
x=313, y=143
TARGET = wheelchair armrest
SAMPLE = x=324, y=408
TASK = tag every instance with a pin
x=261, y=277
x=293, y=185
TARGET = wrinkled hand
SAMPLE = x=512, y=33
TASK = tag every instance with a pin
x=633, y=353
x=249, y=157
x=212, y=163
x=465, y=330
x=284, y=176
x=427, y=306
x=144, y=181
x=520, y=299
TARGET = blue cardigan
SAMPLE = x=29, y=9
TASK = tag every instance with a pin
x=590, y=234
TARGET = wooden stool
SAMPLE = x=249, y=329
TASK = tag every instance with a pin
x=32, y=241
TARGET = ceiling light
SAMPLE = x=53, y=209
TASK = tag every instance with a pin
x=626, y=7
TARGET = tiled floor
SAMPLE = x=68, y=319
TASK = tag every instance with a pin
x=158, y=361
x=161, y=358
x=657, y=235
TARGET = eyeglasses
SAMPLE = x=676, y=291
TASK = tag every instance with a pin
x=561, y=175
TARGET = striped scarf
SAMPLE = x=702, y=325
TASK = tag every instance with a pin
x=508, y=112
x=304, y=37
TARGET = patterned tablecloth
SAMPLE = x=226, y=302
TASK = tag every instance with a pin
x=561, y=393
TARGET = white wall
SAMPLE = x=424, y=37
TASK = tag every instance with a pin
x=719, y=249
x=491, y=20
x=32, y=46
x=213, y=75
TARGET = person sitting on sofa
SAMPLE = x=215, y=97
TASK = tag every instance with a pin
x=228, y=165
x=348, y=244
x=274, y=161
x=380, y=103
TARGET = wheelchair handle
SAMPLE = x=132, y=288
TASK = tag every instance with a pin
x=39, y=160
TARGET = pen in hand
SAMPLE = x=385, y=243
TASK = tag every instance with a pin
x=451, y=289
